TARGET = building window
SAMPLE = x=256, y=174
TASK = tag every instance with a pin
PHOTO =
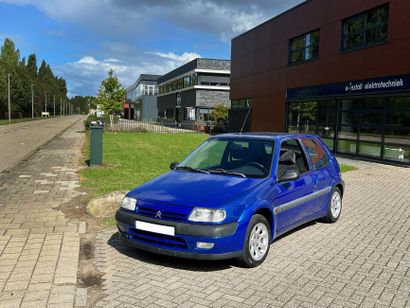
x=204, y=114
x=189, y=113
x=366, y=29
x=304, y=48
x=241, y=103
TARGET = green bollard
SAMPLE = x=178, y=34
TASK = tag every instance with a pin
x=96, y=145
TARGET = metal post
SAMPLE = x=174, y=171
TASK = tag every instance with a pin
x=61, y=106
x=45, y=101
x=9, y=99
x=54, y=100
x=32, y=101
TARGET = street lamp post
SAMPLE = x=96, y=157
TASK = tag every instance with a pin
x=61, y=106
x=45, y=101
x=54, y=100
x=9, y=99
x=32, y=101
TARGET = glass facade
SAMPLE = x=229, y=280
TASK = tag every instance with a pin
x=179, y=84
x=141, y=89
x=193, y=80
x=372, y=127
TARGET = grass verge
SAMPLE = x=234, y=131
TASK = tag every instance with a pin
x=130, y=159
x=346, y=168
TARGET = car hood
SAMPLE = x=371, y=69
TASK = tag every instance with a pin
x=194, y=189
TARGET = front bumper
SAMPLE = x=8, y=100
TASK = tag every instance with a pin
x=228, y=238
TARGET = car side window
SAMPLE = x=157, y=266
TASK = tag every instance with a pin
x=316, y=152
x=292, y=157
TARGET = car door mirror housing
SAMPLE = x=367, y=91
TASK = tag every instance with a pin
x=289, y=175
x=173, y=165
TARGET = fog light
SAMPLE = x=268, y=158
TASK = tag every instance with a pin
x=204, y=245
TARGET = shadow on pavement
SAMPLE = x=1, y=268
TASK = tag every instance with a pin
x=177, y=263
x=185, y=264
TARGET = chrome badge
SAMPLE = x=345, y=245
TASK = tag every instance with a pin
x=158, y=215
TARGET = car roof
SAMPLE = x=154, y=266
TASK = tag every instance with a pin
x=264, y=136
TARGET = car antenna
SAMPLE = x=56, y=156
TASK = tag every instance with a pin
x=244, y=121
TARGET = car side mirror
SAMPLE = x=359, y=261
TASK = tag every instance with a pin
x=289, y=175
x=173, y=165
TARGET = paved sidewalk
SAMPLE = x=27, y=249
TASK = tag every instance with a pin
x=20, y=139
x=361, y=261
x=39, y=248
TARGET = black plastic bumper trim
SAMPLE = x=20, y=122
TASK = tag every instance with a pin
x=178, y=254
x=124, y=217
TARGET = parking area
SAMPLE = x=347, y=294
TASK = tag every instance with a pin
x=361, y=261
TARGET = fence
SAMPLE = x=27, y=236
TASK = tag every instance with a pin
x=163, y=127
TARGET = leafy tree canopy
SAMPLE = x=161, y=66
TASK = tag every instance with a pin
x=219, y=113
x=111, y=94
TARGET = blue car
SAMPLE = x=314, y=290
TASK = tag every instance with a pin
x=232, y=196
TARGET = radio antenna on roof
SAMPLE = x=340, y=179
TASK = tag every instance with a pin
x=244, y=121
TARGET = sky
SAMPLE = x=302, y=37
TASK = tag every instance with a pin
x=83, y=39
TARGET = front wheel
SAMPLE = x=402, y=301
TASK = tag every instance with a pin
x=257, y=242
x=335, y=206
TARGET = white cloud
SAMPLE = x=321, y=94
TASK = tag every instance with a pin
x=84, y=76
x=112, y=60
x=118, y=29
x=185, y=57
x=223, y=18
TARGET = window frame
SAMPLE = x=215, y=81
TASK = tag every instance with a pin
x=303, y=152
x=290, y=51
x=363, y=16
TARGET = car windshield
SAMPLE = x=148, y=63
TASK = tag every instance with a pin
x=245, y=158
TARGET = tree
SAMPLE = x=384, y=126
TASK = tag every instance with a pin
x=219, y=113
x=111, y=95
x=23, y=74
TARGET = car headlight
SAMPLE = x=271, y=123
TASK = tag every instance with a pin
x=199, y=214
x=129, y=203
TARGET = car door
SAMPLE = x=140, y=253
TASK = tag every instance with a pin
x=321, y=174
x=292, y=198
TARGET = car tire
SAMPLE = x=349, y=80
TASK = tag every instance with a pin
x=257, y=242
x=335, y=206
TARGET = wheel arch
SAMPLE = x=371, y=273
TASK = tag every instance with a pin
x=267, y=213
x=341, y=188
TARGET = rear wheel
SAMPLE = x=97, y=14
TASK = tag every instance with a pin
x=257, y=242
x=335, y=206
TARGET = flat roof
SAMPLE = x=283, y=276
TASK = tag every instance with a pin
x=143, y=77
x=187, y=67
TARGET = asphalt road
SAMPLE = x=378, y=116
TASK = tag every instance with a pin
x=19, y=140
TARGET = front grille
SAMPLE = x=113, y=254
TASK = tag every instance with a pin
x=168, y=212
x=158, y=239
x=149, y=212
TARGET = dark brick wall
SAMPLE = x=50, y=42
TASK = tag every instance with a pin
x=260, y=67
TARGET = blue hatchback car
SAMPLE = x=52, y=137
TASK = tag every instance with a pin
x=232, y=196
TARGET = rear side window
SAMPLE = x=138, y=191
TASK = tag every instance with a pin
x=317, y=154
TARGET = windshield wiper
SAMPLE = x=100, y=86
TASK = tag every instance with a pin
x=188, y=168
x=227, y=172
